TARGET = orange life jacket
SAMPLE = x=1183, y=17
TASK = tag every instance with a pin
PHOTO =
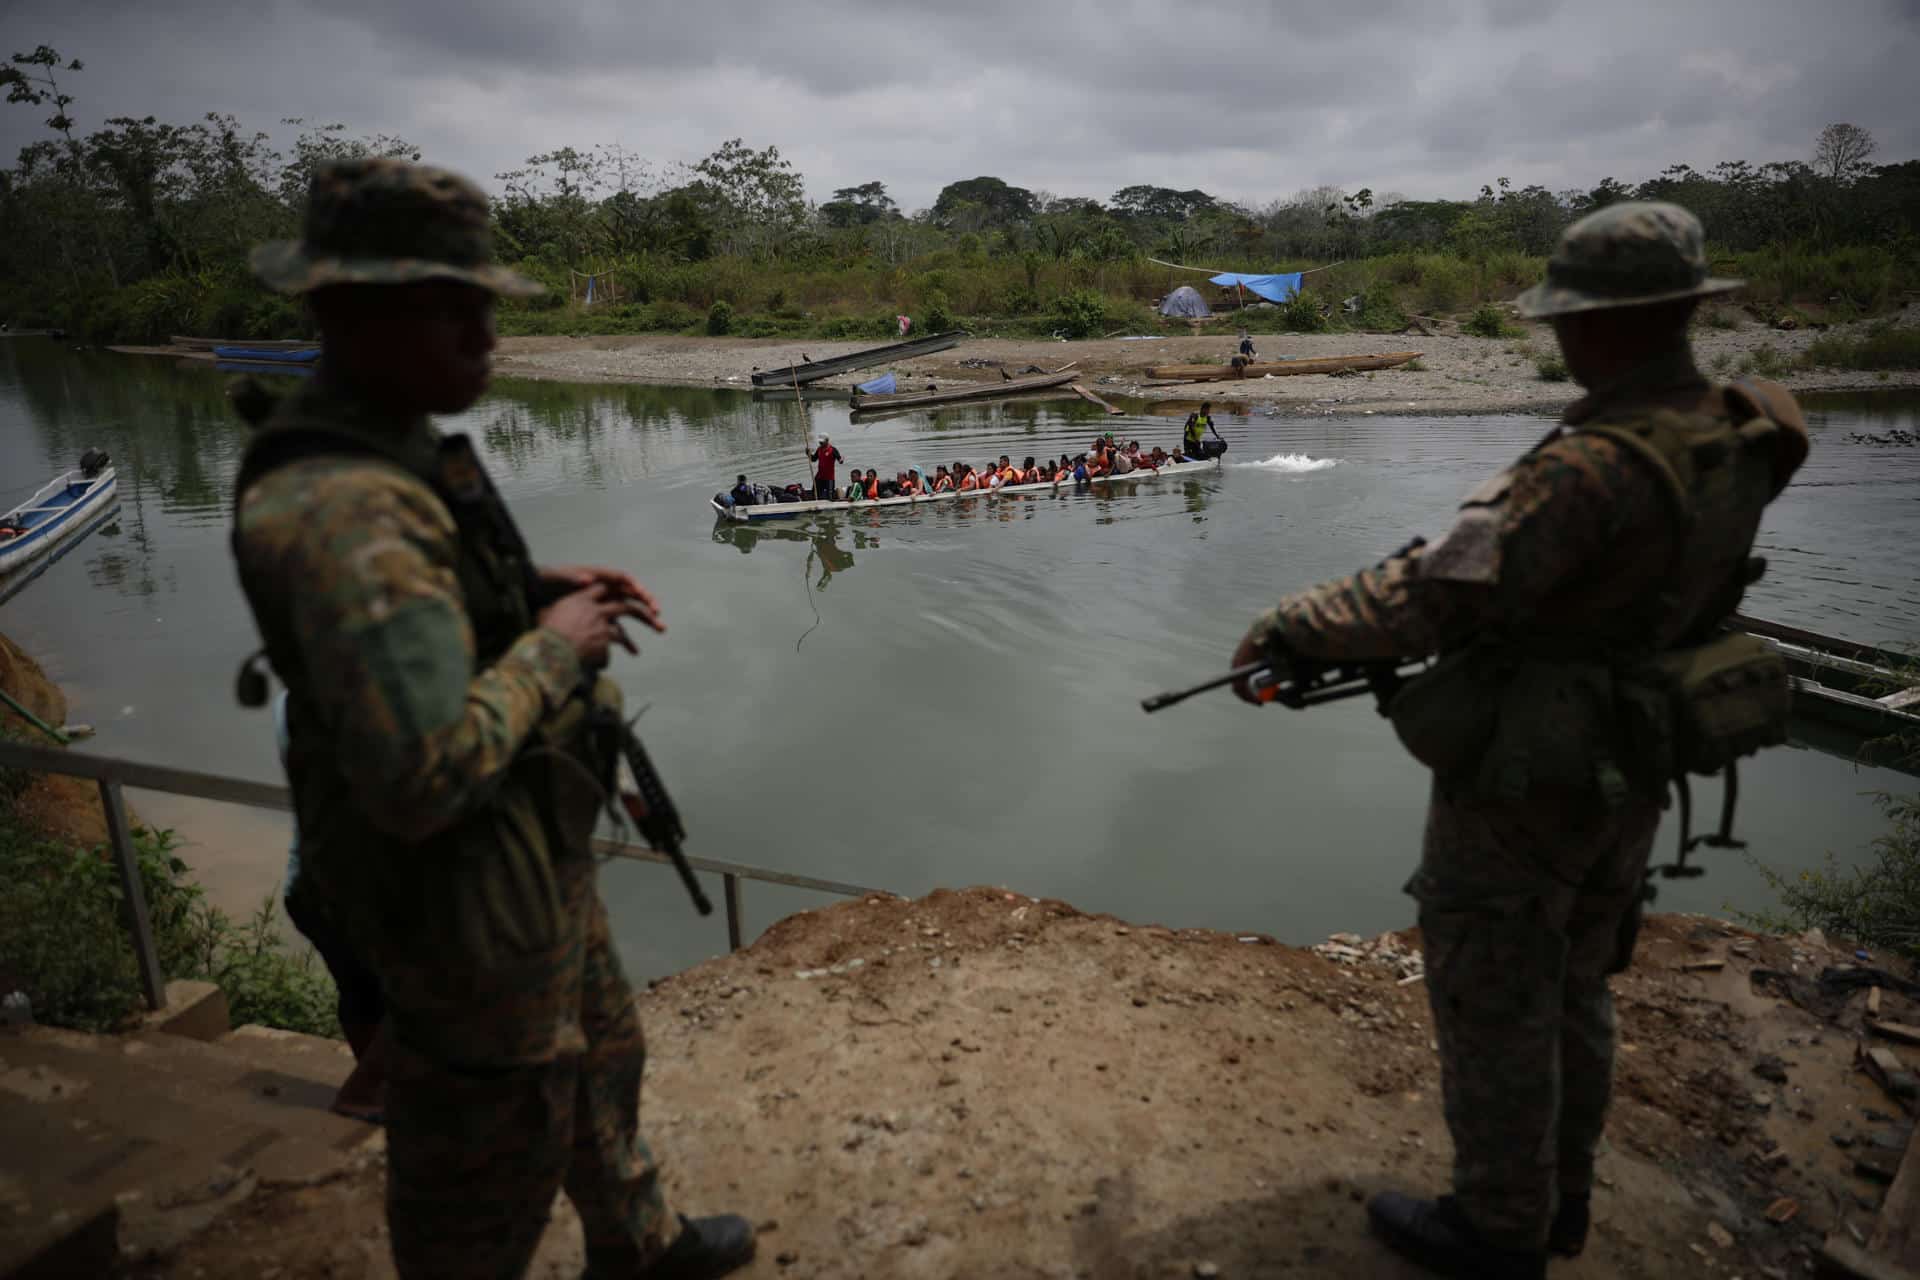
x=969, y=482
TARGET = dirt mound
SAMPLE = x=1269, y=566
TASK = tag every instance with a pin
x=979, y=1083
x=59, y=808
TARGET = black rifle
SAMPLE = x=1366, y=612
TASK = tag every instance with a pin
x=652, y=811
x=473, y=498
x=1304, y=683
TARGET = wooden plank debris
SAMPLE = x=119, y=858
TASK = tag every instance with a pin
x=1703, y=966
x=1873, y=1002
x=1896, y=1233
x=1896, y=1031
x=1889, y=1073
x=1842, y=1259
x=814, y=370
x=1085, y=394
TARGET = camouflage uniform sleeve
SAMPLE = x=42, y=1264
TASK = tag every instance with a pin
x=388, y=648
x=1518, y=539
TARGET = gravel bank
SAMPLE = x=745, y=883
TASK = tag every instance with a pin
x=1458, y=373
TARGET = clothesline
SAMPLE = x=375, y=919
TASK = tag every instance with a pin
x=1181, y=266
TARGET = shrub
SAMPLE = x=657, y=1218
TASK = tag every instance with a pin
x=1080, y=314
x=1877, y=904
x=719, y=318
x=1719, y=317
x=1766, y=362
x=62, y=939
x=1883, y=347
x=1489, y=321
x=1301, y=314
x=1551, y=369
x=937, y=318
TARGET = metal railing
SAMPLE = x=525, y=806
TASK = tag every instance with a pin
x=113, y=775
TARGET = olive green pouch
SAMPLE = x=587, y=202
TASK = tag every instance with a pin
x=1445, y=716
x=1729, y=697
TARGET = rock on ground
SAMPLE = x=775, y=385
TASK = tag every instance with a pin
x=978, y=1083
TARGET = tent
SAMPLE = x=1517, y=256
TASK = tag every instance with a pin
x=1185, y=301
x=1272, y=288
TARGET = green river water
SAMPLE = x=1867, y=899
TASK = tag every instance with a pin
x=943, y=696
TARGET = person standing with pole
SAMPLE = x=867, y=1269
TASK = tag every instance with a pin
x=823, y=460
x=447, y=749
x=1574, y=604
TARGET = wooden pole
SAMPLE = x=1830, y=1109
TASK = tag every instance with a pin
x=133, y=895
x=1085, y=394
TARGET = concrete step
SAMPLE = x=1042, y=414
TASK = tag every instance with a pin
x=159, y=1119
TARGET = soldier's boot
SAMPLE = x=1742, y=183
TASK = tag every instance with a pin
x=705, y=1249
x=1437, y=1235
x=1568, y=1234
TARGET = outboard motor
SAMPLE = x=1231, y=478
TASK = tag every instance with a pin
x=93, y=462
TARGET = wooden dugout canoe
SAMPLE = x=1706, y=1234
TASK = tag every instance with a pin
x=969, y=391
x=1278, y=368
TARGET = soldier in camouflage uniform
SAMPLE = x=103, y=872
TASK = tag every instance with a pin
x=1559, y=574
x=444, y=776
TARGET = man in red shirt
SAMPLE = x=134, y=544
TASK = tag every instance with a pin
x=823, y=459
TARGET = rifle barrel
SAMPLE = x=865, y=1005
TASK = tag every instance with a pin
x=1162, y=700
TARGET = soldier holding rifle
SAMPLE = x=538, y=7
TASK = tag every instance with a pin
x=450, y=749
x=1570, y=603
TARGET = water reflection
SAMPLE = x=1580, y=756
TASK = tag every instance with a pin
x=823, y=539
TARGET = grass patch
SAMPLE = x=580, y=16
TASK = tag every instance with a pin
x=62, y=942
x=1415, y=365
x=1723, y=318
x=1766, y=362
x=1723, y=363
x=1489, y=321
x=1881, y=347
x=1551, y=369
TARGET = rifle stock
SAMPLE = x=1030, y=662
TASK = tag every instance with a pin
x=1305, y=683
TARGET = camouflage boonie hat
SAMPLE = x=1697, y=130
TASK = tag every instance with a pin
x=1625, y=255
x=382, y=221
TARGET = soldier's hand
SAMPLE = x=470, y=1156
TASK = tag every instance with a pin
x=589, y=620
x=1253, y=648
x=621, y=585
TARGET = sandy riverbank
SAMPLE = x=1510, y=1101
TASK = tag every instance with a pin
x=1460, y=373
x=981, y=1084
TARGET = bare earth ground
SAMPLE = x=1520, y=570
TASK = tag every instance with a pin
x=981, y=1084
x=1462, y=374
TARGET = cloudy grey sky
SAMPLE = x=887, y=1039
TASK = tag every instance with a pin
x=1248, y=100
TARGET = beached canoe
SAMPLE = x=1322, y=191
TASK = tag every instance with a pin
x=969, y=391
x=267, y=355
x=781, y=510
x=264, y=344
x=60, y=509
x=1850, y=699
x=1278, y=368
x=813, y=370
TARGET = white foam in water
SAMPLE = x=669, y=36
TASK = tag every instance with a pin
x=1292, y=463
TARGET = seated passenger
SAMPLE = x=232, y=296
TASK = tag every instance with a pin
x=742, y=492
x=873, y=484
x=1080, y=472
x=968, y=480
x=914, y=486
x=1029, y=472
x=942, y=479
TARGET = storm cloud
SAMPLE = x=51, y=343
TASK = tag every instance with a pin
x=1244, y=100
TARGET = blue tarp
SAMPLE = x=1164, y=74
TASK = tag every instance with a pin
x=883, y=385
x=1272, y=288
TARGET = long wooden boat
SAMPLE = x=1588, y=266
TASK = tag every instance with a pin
x=1278, y=368
x=259, y=344
x=785, y=510
x=61, y=507
x=970, y=391
x=814, y=370
x=1849, y=699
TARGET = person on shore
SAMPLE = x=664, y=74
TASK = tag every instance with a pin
x=1246, y=348
x=435, y=679
x=823, y=459
x=1621, y=540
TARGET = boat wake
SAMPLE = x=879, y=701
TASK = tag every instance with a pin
x=1291, y=463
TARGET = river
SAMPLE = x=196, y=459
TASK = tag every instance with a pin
x=943, y=696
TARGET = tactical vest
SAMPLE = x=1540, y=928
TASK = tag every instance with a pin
x=1601, y=697
x=483, y=889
